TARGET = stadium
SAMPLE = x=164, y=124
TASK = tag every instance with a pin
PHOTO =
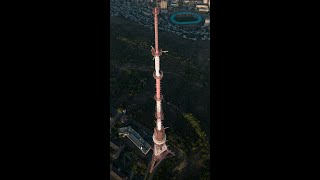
x=186, y=19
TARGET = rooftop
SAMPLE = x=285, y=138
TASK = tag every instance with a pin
x=115, y=174
x=135, y=138
x=118, y=147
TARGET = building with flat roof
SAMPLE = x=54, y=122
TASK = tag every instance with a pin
x=202, y=6
x=164, y=4
x=203, y=10
x=174, y=5
x=134, y=137
x=124, y=119
x=115, y=174
x=117, y=147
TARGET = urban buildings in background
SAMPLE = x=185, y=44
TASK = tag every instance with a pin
x=140, y=11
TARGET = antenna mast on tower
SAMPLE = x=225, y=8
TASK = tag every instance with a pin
x=160, y=149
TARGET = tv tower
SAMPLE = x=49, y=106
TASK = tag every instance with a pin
x=160, y=149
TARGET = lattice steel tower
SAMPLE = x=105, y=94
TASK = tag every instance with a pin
x=160, y=149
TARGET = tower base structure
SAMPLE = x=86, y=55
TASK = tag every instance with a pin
x=160, y=150
x=156, y=160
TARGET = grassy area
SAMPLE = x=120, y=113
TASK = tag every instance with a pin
x=185, y=18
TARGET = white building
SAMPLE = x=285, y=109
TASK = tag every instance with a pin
x=207, y=22
x=203, y=10
x=164, y=4
x=174, y=5
x=201, y=6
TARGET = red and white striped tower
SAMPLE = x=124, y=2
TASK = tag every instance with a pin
x=160, y=150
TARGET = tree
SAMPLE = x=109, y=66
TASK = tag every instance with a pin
x=120, y=109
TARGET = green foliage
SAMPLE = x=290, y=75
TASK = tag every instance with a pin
x=205, y=176
x=134, y=168
x=120, y=110
x=164, y=169
x=202, y=144
x=195, y=123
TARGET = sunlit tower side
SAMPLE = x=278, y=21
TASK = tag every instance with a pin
x=160, y=149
